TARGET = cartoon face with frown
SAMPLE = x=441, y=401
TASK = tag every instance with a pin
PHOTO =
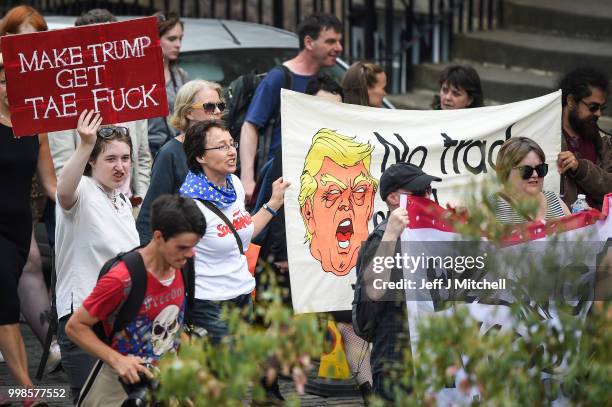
x=336, y=199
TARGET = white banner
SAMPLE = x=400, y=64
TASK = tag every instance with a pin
x=576, y=241
x=334, y=154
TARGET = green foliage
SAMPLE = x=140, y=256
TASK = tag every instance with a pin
x=530, y=363
x=506, y=369
x=203, y=374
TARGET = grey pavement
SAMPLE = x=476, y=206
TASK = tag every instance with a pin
x=59, y=379
x=34, y=351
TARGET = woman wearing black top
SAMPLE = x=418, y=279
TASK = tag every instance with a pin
x=18, y=161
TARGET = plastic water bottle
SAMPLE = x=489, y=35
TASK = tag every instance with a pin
x=580, y=204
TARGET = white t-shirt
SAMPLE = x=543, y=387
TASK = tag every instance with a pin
x=86, y=236
x=221, y=271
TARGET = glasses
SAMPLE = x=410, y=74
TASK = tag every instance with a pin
x=594, y=107
x=209, y=107
x=225, y=148
x=527, y=170
x=108, y=132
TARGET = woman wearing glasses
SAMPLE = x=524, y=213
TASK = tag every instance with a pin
x=170, y=29
x=222, y=274
x=94, y=223
x=196, y=100
x=521, y=169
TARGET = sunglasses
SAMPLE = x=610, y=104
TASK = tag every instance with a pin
x=527, y=170
x=209, y=107
x=594, y=107
x=108, y=132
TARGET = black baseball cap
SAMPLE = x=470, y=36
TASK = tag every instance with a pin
x=405, y=176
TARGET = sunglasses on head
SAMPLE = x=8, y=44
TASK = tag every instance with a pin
x=527, y=170
x=594, y=107
x=209, y=107
x=108, y=132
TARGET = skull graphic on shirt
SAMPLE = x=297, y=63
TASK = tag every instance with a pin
x=164, y=330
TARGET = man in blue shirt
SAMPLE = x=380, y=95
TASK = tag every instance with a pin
x=319, y=36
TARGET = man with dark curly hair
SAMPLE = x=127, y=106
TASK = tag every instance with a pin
x=585, y=162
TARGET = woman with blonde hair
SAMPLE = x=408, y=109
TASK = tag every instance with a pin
x=521, y=168
x=196, y=100
x=364, y=84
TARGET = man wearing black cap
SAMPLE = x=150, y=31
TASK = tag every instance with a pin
x=390, y=337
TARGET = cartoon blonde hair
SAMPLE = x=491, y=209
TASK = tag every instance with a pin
x=343, y=150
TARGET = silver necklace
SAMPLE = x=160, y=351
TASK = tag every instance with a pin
x=111, y=196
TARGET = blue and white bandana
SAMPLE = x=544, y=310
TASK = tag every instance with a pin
x=197, y=186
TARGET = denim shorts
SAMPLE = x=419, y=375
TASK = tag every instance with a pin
x=207, y=314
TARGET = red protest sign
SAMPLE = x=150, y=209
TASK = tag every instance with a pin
x=116, y=69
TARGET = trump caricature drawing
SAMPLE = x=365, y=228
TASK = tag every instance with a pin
x=336, y=199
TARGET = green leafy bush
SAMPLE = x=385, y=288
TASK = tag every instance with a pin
x=504, y=368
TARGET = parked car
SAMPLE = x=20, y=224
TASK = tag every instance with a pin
x=222, y=50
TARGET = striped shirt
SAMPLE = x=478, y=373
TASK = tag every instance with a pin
x=505, y=213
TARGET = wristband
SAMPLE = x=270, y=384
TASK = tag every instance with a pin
x=272, y=211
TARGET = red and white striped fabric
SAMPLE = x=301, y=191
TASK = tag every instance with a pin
x=430, y=222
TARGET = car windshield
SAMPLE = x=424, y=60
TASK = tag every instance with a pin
x=225, y=65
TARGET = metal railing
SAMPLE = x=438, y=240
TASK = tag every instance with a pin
x=396, y=37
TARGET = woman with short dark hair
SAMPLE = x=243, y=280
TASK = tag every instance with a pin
x=222, y=274
x=460, y=88
x=196, y=100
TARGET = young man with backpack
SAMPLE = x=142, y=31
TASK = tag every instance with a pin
x=379, y=316
x=319, y=40
x=134, y=314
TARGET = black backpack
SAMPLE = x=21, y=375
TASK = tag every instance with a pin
x=365, y=312
x=129, y=308
x=238, y=97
